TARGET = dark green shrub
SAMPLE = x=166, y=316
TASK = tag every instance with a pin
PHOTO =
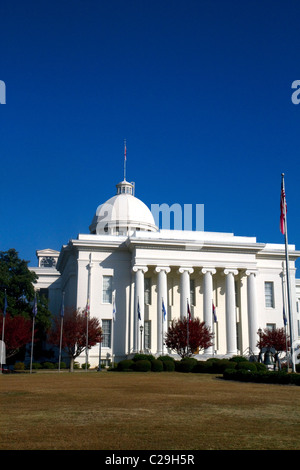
x=222, y=364
x=230, y=374
x=203, y=367
x=246, y=365
x=48, y=365
x=295, y=378
x=238, y=359
x=143, y=357
x=142, y=366
x=36, y=365
x=157, y=365
x=63, y=365
x=125, y=365
x=186, y=364
x=260, y=367
x=19, y=366
x=168, y=363
x=168, y=366
x=166, y=358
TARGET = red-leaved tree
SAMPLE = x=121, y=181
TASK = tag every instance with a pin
x=186, y=337
x=17, y=333
x=75, y=333
x=276, y=339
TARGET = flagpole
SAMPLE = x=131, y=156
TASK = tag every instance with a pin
x=61, y=330
x=125, y=160
x=188, y=321
x=162, y=323
x=112, y=332
x=287, y=269
x=87, y=338
x=2, y=343
x=3, y=325
x=34, y=311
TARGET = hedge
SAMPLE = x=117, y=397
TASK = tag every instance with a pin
x=142, y=365
x=269, y=377
x=157, y=365
x=125, y=365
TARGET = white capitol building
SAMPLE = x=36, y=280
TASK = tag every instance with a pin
x=126, y=262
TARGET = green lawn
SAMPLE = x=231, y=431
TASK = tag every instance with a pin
x=145, y=411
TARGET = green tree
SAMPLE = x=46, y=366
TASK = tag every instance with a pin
x=17, y=283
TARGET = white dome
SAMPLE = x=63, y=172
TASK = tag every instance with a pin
x=122, y=214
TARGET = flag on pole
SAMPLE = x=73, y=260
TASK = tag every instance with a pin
x=283, y=208
x=5, y=305
x=189, y=312
x=139, y=313
x=34, y=310
x=164, y=310
x=114, y=309
x=62, y=308
x=87, y=308
x=125, y=150
x=284, y=317
x=214, y=313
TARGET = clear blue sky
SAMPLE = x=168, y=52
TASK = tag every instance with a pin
x=200, y=89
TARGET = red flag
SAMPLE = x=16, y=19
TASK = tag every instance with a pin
x=283, y=209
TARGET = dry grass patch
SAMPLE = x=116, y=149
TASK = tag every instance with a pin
x=153, y=411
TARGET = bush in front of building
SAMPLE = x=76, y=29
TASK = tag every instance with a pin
x=143, y=357
x=168, y=363
x=125, y=365
x=186, y=364
x=48, y=365
x=203, y=367
x=219, y=365
x=142, y=365
x=157, y=365
x=268, y=377
x=238, y=359
x=246, y=365
x=19, y=366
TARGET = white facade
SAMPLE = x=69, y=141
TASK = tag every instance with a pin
x=127, y=261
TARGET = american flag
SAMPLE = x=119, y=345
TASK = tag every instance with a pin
x=283, y=208
x=214, y=314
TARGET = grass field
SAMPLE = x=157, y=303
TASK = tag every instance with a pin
x=145, y=411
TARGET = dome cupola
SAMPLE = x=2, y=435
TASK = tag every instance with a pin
x=123, y=214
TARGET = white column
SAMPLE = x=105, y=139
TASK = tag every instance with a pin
x=230, y=312
x=208, y=300
x=252, y=310
x=138, y=301
x=162, y=296
x=184, y=290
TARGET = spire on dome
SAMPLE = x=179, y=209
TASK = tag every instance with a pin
x=125, y=160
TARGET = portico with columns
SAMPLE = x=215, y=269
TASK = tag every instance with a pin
x=153, y=274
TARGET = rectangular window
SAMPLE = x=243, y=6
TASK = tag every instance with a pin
x=192, y=292
x=107, y=290
x=271, y=326
x=269, y=294
x=147, y=290
x=147, y=334
x=106, y=333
